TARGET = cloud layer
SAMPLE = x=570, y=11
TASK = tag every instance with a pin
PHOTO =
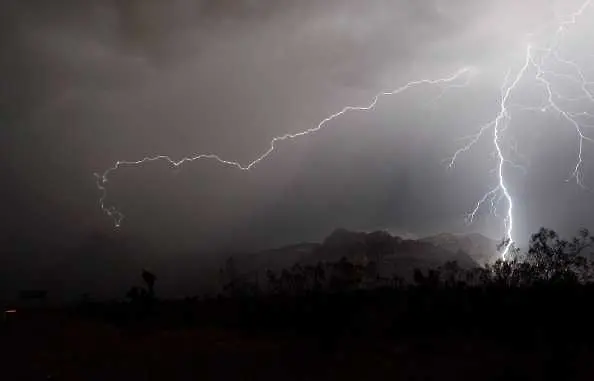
x=88, y=83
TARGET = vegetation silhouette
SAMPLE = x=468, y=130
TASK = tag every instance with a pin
x=150, y=279
x=535, y=306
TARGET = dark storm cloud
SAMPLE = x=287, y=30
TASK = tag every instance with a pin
x=88, y=83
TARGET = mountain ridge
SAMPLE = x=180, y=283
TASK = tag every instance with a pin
x=393, y=255
x=480, y=248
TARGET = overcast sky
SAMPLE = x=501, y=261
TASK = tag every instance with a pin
x=87, y=83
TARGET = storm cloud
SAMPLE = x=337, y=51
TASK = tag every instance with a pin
x=85, y=84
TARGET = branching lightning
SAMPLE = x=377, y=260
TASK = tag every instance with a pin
x=102, y=179
x=539, y=60
x=536, y=59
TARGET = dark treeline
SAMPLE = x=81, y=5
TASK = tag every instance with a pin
x=552, y=281
x=528, y=317
x=549, y=261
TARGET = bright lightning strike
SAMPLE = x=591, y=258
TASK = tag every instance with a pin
x=102, y=179
x=537, y=59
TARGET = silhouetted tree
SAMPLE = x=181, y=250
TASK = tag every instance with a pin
x=345, y=275
x=450, y=272
x=558, y=260
x=418, y=277
x=378, y=244
x=133, y=294
x=149, y=279
x=431, y=280
x=319, y=276
x=273, y=282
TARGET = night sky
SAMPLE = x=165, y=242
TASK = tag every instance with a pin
x=85, y=84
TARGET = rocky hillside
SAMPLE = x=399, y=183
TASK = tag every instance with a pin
x=481, y=249
x=393, y=255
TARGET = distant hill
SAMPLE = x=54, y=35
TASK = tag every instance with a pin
x=481, y=249
x=394, y=255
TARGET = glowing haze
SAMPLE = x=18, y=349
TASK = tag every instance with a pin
x=559, y=84
x=419, y=117
x=118, y=216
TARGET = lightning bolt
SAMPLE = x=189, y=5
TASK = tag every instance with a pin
x=537, y=59
x=103, y=178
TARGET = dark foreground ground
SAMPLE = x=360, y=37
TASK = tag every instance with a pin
x=415, y=334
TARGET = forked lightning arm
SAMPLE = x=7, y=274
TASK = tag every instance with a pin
x=103, y=178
